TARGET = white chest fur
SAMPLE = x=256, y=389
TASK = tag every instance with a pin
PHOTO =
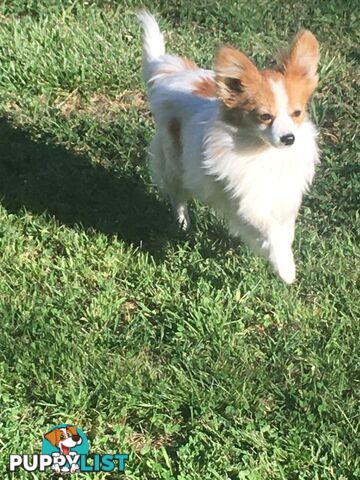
x=265, y=184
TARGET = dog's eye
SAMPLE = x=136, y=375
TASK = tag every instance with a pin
x=266, y=117
x=62, y=436
x=296, y=113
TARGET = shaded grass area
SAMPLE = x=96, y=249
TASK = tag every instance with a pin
x=183, y=350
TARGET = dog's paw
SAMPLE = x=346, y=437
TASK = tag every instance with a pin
x=287, y=273
x=183, y=222
x=182, y=216
x=74, y=468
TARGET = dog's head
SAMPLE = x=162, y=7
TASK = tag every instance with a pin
x=64, y=438
x=271, y=103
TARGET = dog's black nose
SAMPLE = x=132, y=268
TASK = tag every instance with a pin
x=76, y=438
x=288, y=139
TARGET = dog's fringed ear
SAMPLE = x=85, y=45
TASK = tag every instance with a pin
x=53, y=437
x=235, y=76
x=302, y=58
x=72, y=429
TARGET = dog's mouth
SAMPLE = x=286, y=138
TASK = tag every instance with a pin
x=65, y=450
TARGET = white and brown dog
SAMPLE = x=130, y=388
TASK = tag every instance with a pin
x=237, y=138
x=64, y=439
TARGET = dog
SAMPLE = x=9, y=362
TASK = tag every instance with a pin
x=237, y=138
x=64, y=439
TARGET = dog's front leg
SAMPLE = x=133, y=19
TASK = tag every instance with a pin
x=279, y=252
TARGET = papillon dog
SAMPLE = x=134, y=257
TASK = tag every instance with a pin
x=237, y=138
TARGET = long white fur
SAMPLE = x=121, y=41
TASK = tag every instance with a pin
x=154, y=44
x=257, y=189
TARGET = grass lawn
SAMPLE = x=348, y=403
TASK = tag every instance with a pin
x=183, y=350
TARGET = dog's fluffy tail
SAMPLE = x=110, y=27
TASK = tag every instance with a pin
x=154, y=44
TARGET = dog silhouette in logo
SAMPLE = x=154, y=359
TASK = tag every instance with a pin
x=64, y=439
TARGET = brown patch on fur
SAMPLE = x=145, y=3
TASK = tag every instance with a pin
x=237, y=78
x=265, y=97
x=247, y=93
x=244, y=90
x=175, y=133
x=189, y=64
x=303, y=56
x=299, y=67
x=273, y=75
x=299, y=93
x=205, y=87
x=54, y=436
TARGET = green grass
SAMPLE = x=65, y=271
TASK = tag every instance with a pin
x=183, y=350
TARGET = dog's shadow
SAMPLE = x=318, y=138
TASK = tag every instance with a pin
x=48, y=178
